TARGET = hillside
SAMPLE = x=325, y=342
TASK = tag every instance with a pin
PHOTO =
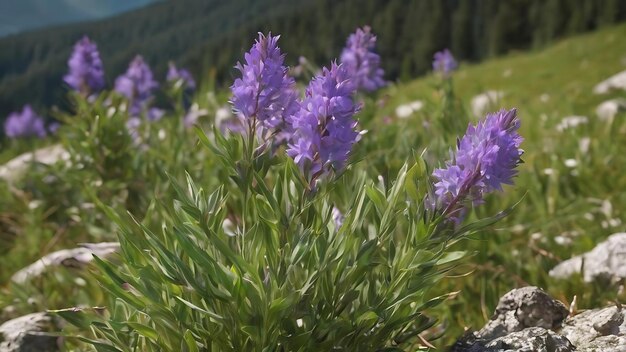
x=23, y=15
x=571, y=187
x=208, y=36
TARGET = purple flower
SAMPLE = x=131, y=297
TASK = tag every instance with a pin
x=175, y=74
x=265, y=92
x=361, y=62
x=486, y=158
x=137, y=85
x=24, y=124
x=86, y=73
x=444, y=62
x=324, y=129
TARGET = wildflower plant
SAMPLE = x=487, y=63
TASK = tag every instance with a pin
x=25, y=124
x=138, y=85
x=86, y=72
x=260, y=260
x=362, y=62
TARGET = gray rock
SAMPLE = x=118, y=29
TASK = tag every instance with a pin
x=76, y=257
x=531, y=340
x=606, y=261
x=597, y=330
x=527, y=319
x=523, y=308
x=29, y=333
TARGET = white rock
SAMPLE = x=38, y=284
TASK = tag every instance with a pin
x=571, y=122
x=617, y=81
x=607, y=110
x=482, y=102
x=76, y=257
x=606, y=260
x=16, y=167
x=405, y=110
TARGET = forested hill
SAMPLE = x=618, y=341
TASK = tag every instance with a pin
x=21, y=15
x=212, y=35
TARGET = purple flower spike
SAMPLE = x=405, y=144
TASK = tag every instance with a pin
x=175, y=74
x=324, y=130
x=86, y=73
x=361, y=62
x=265, y=92
x=24, y=124
x=444, y=62
x=137, y=85
x=486, y=158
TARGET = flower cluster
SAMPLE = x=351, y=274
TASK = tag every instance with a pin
x=265, y=92
x=361, y=62
x=444, y=62
x=486, y=158
x=324, y=128
x=24, y=124
x=137, y=85
x=86, y=73
x=175, y=74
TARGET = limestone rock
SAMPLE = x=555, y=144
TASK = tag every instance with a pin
x=597, y=330
x=606, y=261
x=607, y=110
x=531, y=340
x=16, y=167
x=528, y=319
x=405, y=110
x=28, y=334
x=76, y=257
x=617, y=81
x=482, y=102
x=523, y=308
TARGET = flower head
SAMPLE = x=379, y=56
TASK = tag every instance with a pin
x=361, y=62
x=444, y=62
x=485, y=159
x=86, y=73
x=137, y=84
x=324, y=130
x=175, y=74
x=24, y=124
x=265, y=92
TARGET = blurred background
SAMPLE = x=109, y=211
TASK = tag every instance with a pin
x=208, y=36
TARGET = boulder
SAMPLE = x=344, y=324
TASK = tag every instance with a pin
x=607, y=110
x=481, y=103
x=617, y=81
x=597, y=330
x=405, y=110
x=606, y=261
x=29, y=333
x=524, y=308
x=76, y=257
x=17, y=167
x=528, y=319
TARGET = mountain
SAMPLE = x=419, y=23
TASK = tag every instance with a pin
x=210, y=36
x=21, y=15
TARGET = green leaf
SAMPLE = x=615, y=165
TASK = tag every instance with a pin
x=144, y=330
